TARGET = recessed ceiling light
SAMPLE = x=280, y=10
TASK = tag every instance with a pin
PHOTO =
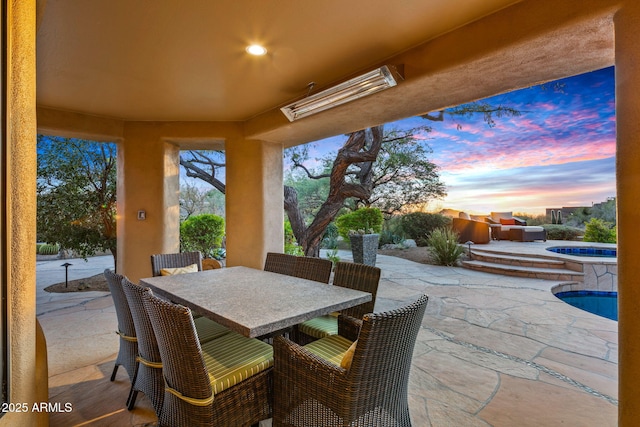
x=256, y=49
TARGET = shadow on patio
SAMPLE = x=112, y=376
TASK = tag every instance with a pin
x=494, y=350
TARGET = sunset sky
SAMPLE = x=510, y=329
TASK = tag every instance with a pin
x=559, y=152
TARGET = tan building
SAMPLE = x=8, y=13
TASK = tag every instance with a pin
x=161, y=77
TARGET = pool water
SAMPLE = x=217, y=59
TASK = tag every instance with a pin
x=584, y=251
x=603, y=304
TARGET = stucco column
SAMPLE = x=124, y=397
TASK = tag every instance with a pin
x=254, y=201
x=627, y=37
x=27, y=374
x=148, y=181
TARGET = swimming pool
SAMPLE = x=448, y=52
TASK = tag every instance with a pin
x=603, y=304
x=588, y=251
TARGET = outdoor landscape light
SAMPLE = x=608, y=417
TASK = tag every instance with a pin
x=364, y=85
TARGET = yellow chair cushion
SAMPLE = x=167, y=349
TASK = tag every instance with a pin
x=320, y=327
x=233, y=358
x=332, y=348
x=193, y=268
x=208, y=329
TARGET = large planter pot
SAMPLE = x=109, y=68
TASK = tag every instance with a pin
x=364, y=248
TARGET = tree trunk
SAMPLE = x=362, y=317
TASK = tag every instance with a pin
x=360, y=150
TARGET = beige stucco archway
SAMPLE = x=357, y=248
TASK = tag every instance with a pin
x=526, y=43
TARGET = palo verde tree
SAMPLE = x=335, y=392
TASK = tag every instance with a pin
x=76, y=194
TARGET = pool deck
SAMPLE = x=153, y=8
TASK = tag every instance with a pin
x=493, y=350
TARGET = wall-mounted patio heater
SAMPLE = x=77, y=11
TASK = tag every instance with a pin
x=358, y=87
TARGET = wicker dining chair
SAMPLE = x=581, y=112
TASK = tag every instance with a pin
x=371, y=390
x=176, y=260
x=280, y=263
x=225, y=382
x=126, y=329
x=148, y=370
x=350, y=275
x=313, y=268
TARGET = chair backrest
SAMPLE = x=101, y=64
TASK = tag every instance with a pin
x=149, y=377
x=360, y=277
x=313, y=268
x=280, y=263
x=183, y=365
x=379, y=372
x=177, y=260
x=126, y=328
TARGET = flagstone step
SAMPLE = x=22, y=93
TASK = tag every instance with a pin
x=535, y=261
x=525, y=271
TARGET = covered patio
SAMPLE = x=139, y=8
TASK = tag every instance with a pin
x=492, y=350
x=175, y=76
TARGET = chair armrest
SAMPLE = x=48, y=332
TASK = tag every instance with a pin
x=520, y=221
x=349, y=327
x=287, y=352
x=300, y=376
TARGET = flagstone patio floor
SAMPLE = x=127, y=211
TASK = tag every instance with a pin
x=493, y=350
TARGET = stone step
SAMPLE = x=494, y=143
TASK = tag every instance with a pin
x=535, y=261
x=523, y=271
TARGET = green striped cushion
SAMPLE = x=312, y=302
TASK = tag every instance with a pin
x=233, y=358
x=208, y=329
x=320, y=327
x=331, y=348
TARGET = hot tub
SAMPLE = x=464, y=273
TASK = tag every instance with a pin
x=585, y=251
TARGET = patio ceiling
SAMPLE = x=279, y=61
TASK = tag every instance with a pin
x=185, y=61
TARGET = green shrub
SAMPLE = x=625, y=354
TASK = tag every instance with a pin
x=562, y=232
x=362, y=219
x=443, y=243
x=202, y=233
x=419, y=225
x=600, y=231
x=48, y=249
x=290, y=244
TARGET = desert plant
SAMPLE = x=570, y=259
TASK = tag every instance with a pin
x=330, y=239
x=443, y=243
x=562, y=232
x=219, y=253
x=202, y=233
x=48, y=249
x=388, y=237
x=364, y=219
x=332, y=255
x=600, y=231
x=419, y=225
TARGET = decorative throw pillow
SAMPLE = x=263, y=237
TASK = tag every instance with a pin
x=507, y=221
x=193, y=268
x=463, y=215
x=348, y=356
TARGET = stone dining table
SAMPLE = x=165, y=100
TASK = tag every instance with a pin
x=254, y=302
